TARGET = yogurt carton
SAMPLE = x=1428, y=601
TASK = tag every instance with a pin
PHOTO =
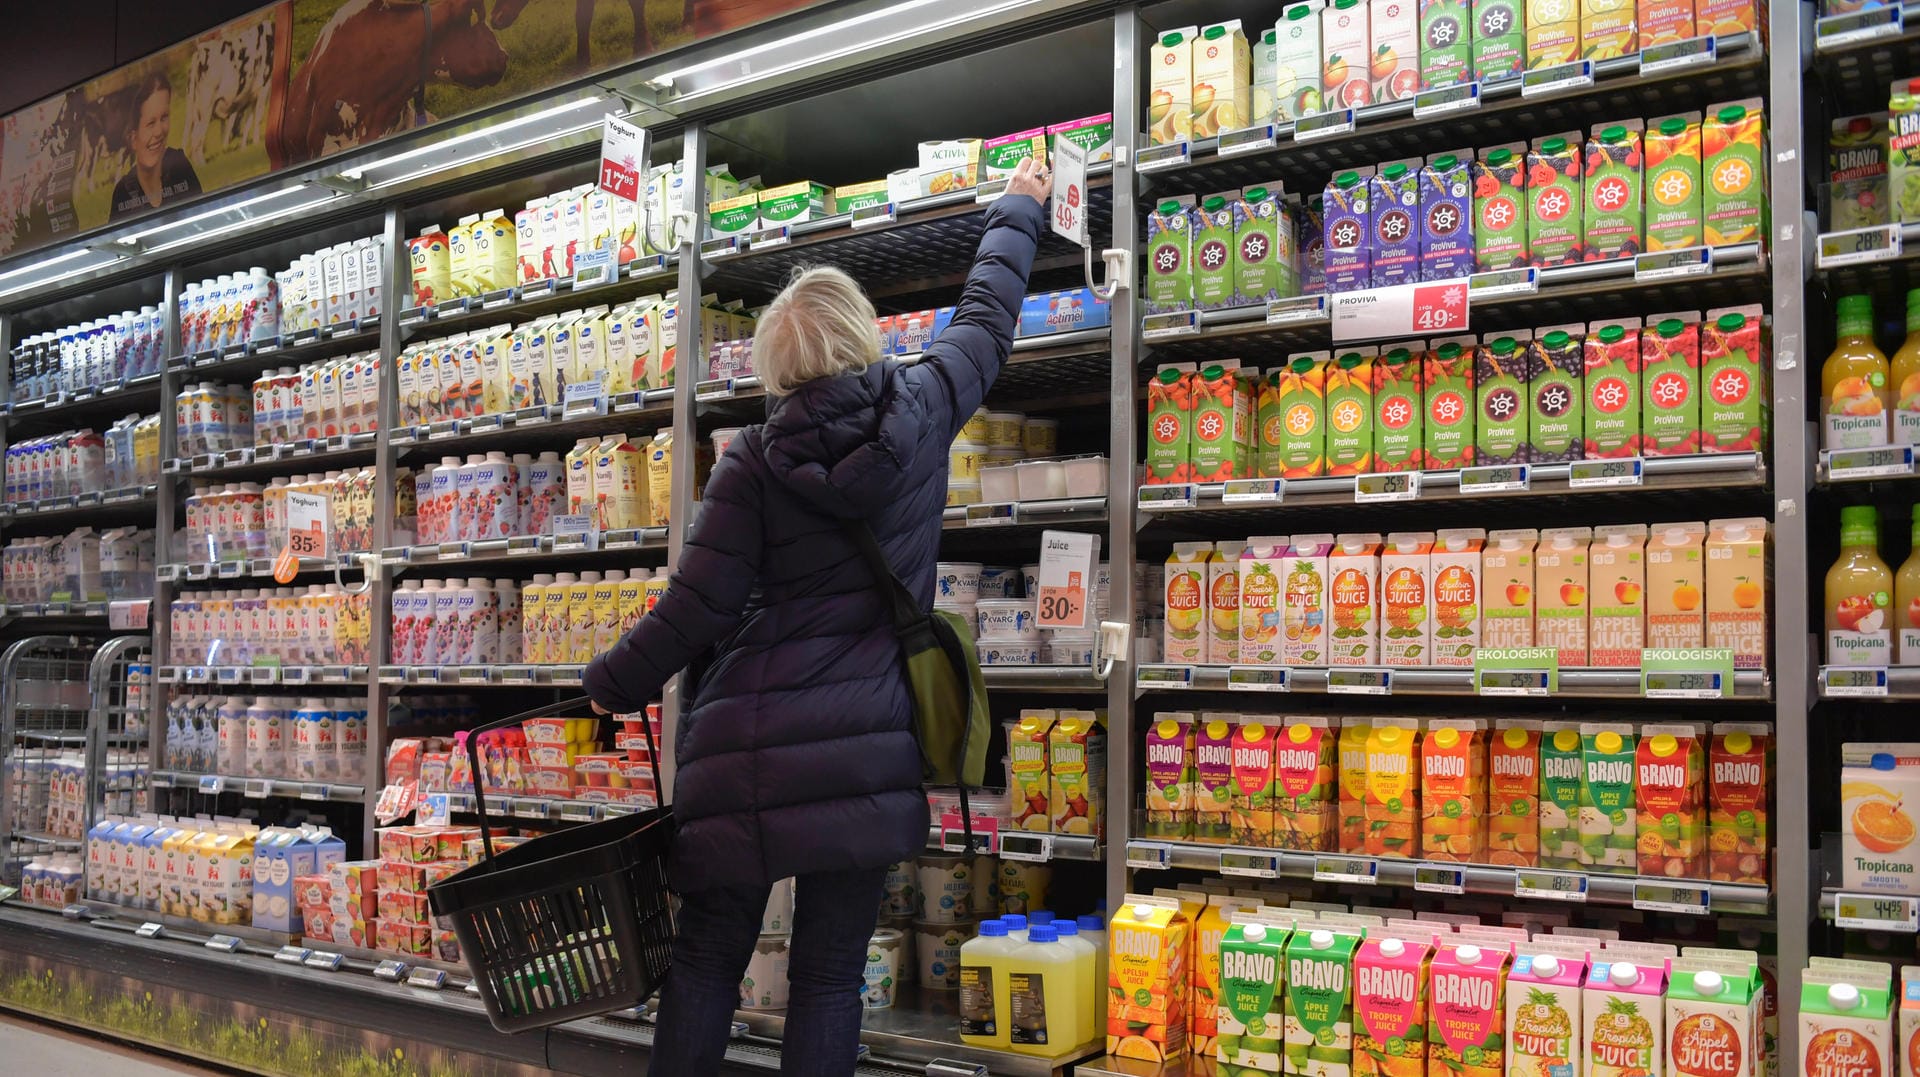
x=431, y=266
x=1544, y=1013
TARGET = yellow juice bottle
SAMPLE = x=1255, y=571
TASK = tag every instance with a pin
x=1854, y=395
x=1904, y=379
x=579, y=625
x=1859, y=587
x=1044, y=1010
x=1906, y=603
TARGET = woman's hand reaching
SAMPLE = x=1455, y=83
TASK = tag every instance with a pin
x=1033, y=179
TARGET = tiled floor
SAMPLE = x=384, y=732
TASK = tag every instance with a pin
x=48, y=1051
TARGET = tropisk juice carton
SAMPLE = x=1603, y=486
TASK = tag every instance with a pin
x=1262, y=599
x=1303, y=762
x=1623, y=1016
x=1390, y=1005
x=1544, y=1010
x=1251, y=807
x=1466, y=1022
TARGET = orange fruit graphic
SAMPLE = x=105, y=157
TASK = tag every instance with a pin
x=1882, y=827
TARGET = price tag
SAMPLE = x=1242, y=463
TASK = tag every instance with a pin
x=1599, y=474
x=725, y=247
x=292, y=955
x=953, y=836
x=1664, y=265
x=770, y=238
x=1253, y=491
x=1155, y=158
x=151, y=930
x=1346, y=869
x=1522, y=281
x=1163, y=677
x=212, y=784
x=1147, y=854
x=316, y=791
x=1686, y=673
x=1066, y=573
x=574, y=533
x=1547, y=884
x=717, y=389
x=324, y=961
x=1444, y=99
x=1386, y=486
x=1170, y=326
x=532, y=809
x=989, y=191
x=1673, y=55
x=1850, y=465
x=1161, y=498
x=585, y=398
x=999, y=514
x=296, y=674
x=256, y=788
x=1257, y=679
x=1251, y=865
x=308, y=519
x=1876, y=912
x=1359, y=681
x=1516, y=671
x=594, y=267
x=1841, y=31
x=1500, y=478
x=1068, y=207
x=1853, y=682
x=1032, y=848
x=224, y=943
x=879, y=213
x=1667, y=897
x=1400, y=310
x=427, y=979
x=1428, y=880
x=1550, y=80
x=390, y=970
x=1323, y=125
x=573, y=812
x=1297, y=310
x=1244, y=140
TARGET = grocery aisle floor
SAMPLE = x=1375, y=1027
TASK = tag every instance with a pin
x=48, y=1051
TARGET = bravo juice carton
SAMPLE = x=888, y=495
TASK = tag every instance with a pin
x=1453, y=574
x=1262, y=599
x=1450, y=403
x=1171, y=777
x=1616, y=564
x=1404, y=572
x=1303, y=780
x=1203, y=1014
x=1453, y=790
x=1561, y=765
x=1669, y=385
x=1252, y=1009
x=1506, y=588
x=1734, y=413
x=1735, y=199
x=1500, y=388
x=1846, y=1019
x=1353, y=784
x=1737, y=802
x=1148, y=980
x=1292, y=419
x=1609, y=819
x=1673, y=166
x=1616, y=205
x=1348, y=228
x=1170, y=256
x=1624, y=1017
x=1556, y=231
x=1170, y=400
x=1395, y=204
x=1398, y=406
x=1353, y=571
x=1555, y=394
x=1318, y=1017
x=1500, y=230
x=1350, y=417
x=1213, y=770
x=1712, y=1016
x=1391, y=808
x=1446, y=43
x=1446, y=217
x=1390, y=1006
x=1250, y=807
x=1466, y=1026
x=1671, y=804
x=1611, y=381
x=1543, y=1014
x=1304, y=592
x=1513, y=794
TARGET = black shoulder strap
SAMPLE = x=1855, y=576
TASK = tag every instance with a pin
x=906, y=611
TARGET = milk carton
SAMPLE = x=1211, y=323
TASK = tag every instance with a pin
x=1390, y=1004
x=1304, y=594
x=1149, y=975
x=1466, y=1017
x=1353, y=573
x=1561, y=582
x=1543, y=1015
x=1262, y=599
x=1213, y=772
x=1252, y=1005
x=1318, y=1018
x=1507, y=582
x=1170, y=95
x=1623, y=1016
x=1846, y=1019
x=1303, y=760
x=1513, y=793
x=1172, y=779
x=1618, y=572
x=1453, y=575
x=1405, y=593
x=1712, y=1010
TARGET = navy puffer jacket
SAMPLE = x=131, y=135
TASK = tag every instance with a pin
x=797, y=754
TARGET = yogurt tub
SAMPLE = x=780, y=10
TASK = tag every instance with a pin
x=1009, y=619
x=966, y=610
x=1040, y=437
x=975, y=428
x=962, y=492
x=765, y=985
x=1086, y=476
x=909, y=946
x=957, y=581
x=964, y=460
x=723, y=438
x=1042, y=480
x=986, y=886
x=1030, y=579
x=999, y=484
x=881, y=978
x=1004, y=428
x=946, y=888
x=902, y=893
x=937, y=956
x=1008, y=653
x=999, y=581
x=1070, y=649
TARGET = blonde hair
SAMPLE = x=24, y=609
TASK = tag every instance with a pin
x=821, y=325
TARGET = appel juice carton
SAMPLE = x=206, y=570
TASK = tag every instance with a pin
x=1292, y=419
x=1846, y=1019
x=1615, y=210
x=1672, y=801
x=1739, y=763
x=1222, y=80
x=1453, y=574
x=1556, y=230
x=1398, y=406
x=1262, y=599
x=1609, y=821
x=1303, y=574
x=1213, y=772
x=1215, y=221
x=1447, y=379
x=1507, y=597
x=1395, y=205
x=1169, y=285
x=1561, y=772
x=1353, y=573
x=1223, y=603
x=1391, y=809
x=1264, y=254
x=1735, y=413
x=1319, y=1004
x=1170, y=78
x=1611, y=382
x=1296, y=64
x=1028, y=785
x=1222, y=405
x=1673, y=170
x=1501, y=400
x=1712, y=1016
x=1186, y=589
x=1616, y=563
x=1544, y=1011
x=1453, y=790
x=1735, y=198
x=1737, y=589
x=1561, y=580
x=1446, y=43
x=1676, y=581
x=1446, y=216
x=1669, y=385
x=1251, y=806
x=1513, y=793
x=1608, y=29
x=1556, y=359
x=1390, y=1005
x=1405, y=571
x=1148, y=978
x=1393, y=34
x=1500, y=228
x=1170, y=407
x=1303, y=785
x=1172, y=777
x=1624, y=1016
x=1466, y=1027
x=1350, y=413
x=1664, y=21
x=1252, y=1007
x=1209, y=928
x=1347, y=225
x=1553, y=33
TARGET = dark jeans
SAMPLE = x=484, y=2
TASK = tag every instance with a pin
x=833, y=917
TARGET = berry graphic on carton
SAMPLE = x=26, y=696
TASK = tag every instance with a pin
x=1739, y=763
x=1172, y=778
x=1671, y=783
x=1615, y=210
x=1399, y=405
x=1446, y=43
x=1502, y=401
x=1390, y=1004
x=1499, y=39
x=1213, y=770
x=1556, y=232
x=1216, y=221
x=1303, y=779
x=1292, y=419
x=1350, y=412
x=1395, y=209
x=1404, y=574
x=1262, y=599
x=1264, y=252
x=1500, y=224
x=1170, y=254
x=1556, y=359
x=1616, y=563
x=1611, y=382
x=1735, y=412
x=1513, y=793
x=1453, y=790
x=1670, y=384
x=1446, y=216
x=1673, y=171
x=1450, y=402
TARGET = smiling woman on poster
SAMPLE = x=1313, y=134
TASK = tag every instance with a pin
x=160, y=173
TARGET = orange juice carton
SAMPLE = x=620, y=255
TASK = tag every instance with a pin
x=1222, y=80
x=1544, y=1010
x=1846, y=1019
x=1609, y=820
x=1028, y=784
x=1673, y=171
x=1448, y=398
x=1303, y=574
x=1561, y=579
x=1405, y=570
x=1223, y=603
x=1615, y=210
x=1713, y=1016
x=1352, y=785
x=1398, y=407
x=1391, y=807
x=1395, y=209
x=1213, y=777
x=1609, y=28
x=1169, y=286
x=1186, y=589
x=1611, y=420
x=1453, y=584
x=1506, y=588
x=1251, y=806
x=1500, y=208
x=1390, y=1004
x=1877, y=846
x=1172, y=778
x=1739, y=764
x=1347, y=226
x=1735, y=413
x=1735, y=198
x=1292, y=419
x=1556, y=229
x=1303, y=784
x=1513, y=793
x=1170, y=405
x=1252, y=1006
x=1350, y=412
x=1353, y=572
x=1556, y=359
x=1669, y=384
x=1149, y=978
x=1553, y=33
x=1737, y=589
x=1170, y=84
x=1501, y=399
x=1222, y=410
x=1262, y=605
x=1209, y=928
x=1466, y=1026
x=1624, y=1018
x=1908, y=1041
x=1727, y=17
x=1318, y=1018
x=1676, y=583
x=1664, y=21
x=1616, y=565
x=1671, y=801
x=1562, y=766
x=1077, y=760
x=1453, y=790
x=1393, y=38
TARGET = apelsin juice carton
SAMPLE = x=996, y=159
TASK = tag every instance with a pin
x=1350, y=412
x=1507, y=603
x=1737, y=589
x=1303, y=779
x=1561, y=579
x=1446, y=216
x=1170, y=405
x=1453, y=574
x=1556, y=232
x=1466, y=1026
x=1395, y=199
x=1252, y=1006
x=1739, y=773
x=1450, y=403
x=1171, y=776
x=1222, y=80
x=1453, y=790
x=1513, y=793
x=1213, y=770
x=1149, y=977
x=1262, y=601
x=1616, y=204
x=1500, y=225
x=1348, y=228
x=1405, y=634
x=1611, y=377
x=1561, y=769
x=1296, y=64
x=1553, y=33
x=1446, y=43
x=1735, y=412
x=1352, y=801
x=1664, y=21
x=1670, y=385
x=1732, y=141
x=1264, y=253
x=1170, y=256
x=1393, y=33
x=1353, y=571
x=1319, y=1002
x=1390, y=809
x=1390, y=1005
x=1344, y=41
x=1556, y=395
x=1215, y=221
x=1617, y=565
x=1499, y=39
x=1670, y=783
x=1609, y=817
x=1398, y=407
x=1292, y=419
x=1676, y=583
x=1673, y=182
x=1501, y=400
x=1170, y=87
x=1250, y=809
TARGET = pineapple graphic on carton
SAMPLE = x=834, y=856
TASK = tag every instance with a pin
x=1543, y=1011
x=1466, y=1026
x=1390, y=1006
x=1303, y=784
x=1262, y=599
x=1304, y=594
x=1624, y=1016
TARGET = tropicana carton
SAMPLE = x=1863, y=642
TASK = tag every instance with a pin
x=1293, y=419
x=1250, y=806
x=1560, y=587
x=1303, y=784
x=1513, y=793
x=1467, y=1023
x=1506, y=586
x=1624, y=1017
x=1148, y=978
x=1304, y=596
x=1390, y=1005
x=1171, y=776
x=1453, y=582
x=1319, y=1004
x=1877, y=846
x=1353, y=570
x=1405, y=572
x=1616, y=564
x=1186, y=588
x=1213, y=772
x=1210, y=927
x=1262, y=603
x=1544, y=1011
x=1453, y=790
x=1713, y=1016
x=1561, y=769
x=1252, y=1003
x=1846, y=1019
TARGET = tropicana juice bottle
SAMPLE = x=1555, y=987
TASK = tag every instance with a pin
x=1858, y=589
x=1906, y=602
x=1904, y=378
x=1854, y=395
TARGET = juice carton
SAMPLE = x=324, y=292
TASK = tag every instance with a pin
x=1908, y=1037
x=1213, y=770
x=1405, y=571
x=1609, y=28
x=1350, y=413
x=1555, y=361
x=1671, y=801
x=1395, y=203
x=1720, y=17
x=1319, y=1004
x=1148, y=977
x=1252, y=1007
x=1251, y=807
x=1398, y=406
x=1303, y=574
x=1222, y=80
x=1608, y=820
x=1348, y=54
x=1171, y=776
x=1553, y=33
x=1735, y=412
x=1663, y=21
x=1499, y=39
x=1712, y=1013
x=1446, y=216
x=1500, y=237
x=1612, y=382
x=1501, y=400
x=1513, y=793
x=1467, y=1023
x=1669, y=371
x=619, y=485
x=1292, y=419
x=1453, y=575
x=1209, y=929
x=1263, y=248
x=1077, y=760
x=1673, y=163
x=1903, y=140
x=1739, y=760
x=1261, y=600
x=1735, y=198
x=1170, y=100
x=1352, y=787
x=1877, y=852
x=1028, y=784
x=1390, y=1005
x=1544, y=1010
x=1391, y=809
x=1169, y=285
x=1215, y=220
x=1186, y=584
x=1846, y=1019
x=1303, y=785
x=1447, y=379
x=1266, y=58
x=1616, y=563
x=1624, y=1020
x=1555, y=223
x=1506, y=586
x=1561, y=581
x=1312, y=221
x=1446, y=43
x=1296, y=64
x=1222, y=405
x=1615, y=210
x=1393, y=36
x=1561, y=769
x=1353, y=571
x=1170, y=424
x=1676, y=582
x=1223, y=603
x=1453, y=790
x=1737, y=589
x=1348, y=228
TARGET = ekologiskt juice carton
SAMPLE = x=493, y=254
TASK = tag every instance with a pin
x=1735, y=410
x=1556, y=233
x=1673, y=174
x=1561, y=769
x=1616, y=199
x=1735, y=199
x=1390, y=1005
x=1609, y=817
x=1395, y=210
x=1292, y=418
x=1453, y=790
x=1303, y=777
x=1500, y=390
x=1737, y=589
x=1170, y=256
x=1466, y=1026
x=1447, y=391
x=1560, y=586
x=1398, y=407
x=1676, y=584
x=1612, y=387
x=1213, y=767
x=1171, y=776
x=1319, y=1002
x=1215, y=221
x=1670, y=384
x=1617, y=565
x=1506, y=587
x=1513, y=793
x=1348, y=228
x=1252, y=1017
x=1446, y=216
x=1353, y=570
x=1556, y=395
x=1170, y=406
x=1251, y=807
x=1499, y=39
x=1350, y=418
x=1446, y=43
x=1500, y=236
x=1453, y=574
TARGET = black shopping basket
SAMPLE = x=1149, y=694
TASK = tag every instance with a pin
x=571, y=924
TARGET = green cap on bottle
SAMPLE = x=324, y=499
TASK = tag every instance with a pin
x=1856, y=316
x=1913, y=310
x=1860, y=526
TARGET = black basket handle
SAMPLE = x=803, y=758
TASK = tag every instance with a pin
x=576, y=704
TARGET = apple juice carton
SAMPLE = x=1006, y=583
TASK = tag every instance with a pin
x=1544, y=1010
x=1669, y=389
x=1501, y=400
x=1466, y=1025
x=1348, y=228
x=1263, y=248
x=1513, y=793
x=1390, y=1005
x=1673, y=175
x=1453, y=790
x=1453, y=586
x=1296, y=64
x=1507, y=597
x=1555, y=362
x=1353, y=569
x=1027, y=782
x=1215, y=220
x=1170, y=400
x=1738, y=762
x=1555, y=200
x=1664, y=21
x=1186, y=588
x=1077, y=762
x=1405, y=571
x=1735, y=198
x=1319, y=1002
x=1303, y=785
x=1391, y=806
x=1222, y=80
x=1446, y=215
x=1252, y=1006
x=1170, y=256
x=1735, y=412
x=1675, y=585
x=1170, y=79
x=1350, y=418
x=1623, y=1016
x=1712, y=1017
x=1213, y=770
x=1393, y=34
x=1877, y=852
x=1560, y=587
x=1148, y=978
x=1616, y=563
x=1446, y=43
x=1209, y=929
x=1500, y=229
x=1261, y=604
x=1303, y=574
x=1737, y=589
x=1615, y=209
x=1394, y=201
x=1223, y=603
x=1561, y=769
x=1171, y=776
x=1448, y=398
x=1608, y=820
x=1846, y=1019
x=1222, y=406
x=1611, y=413
x=1553, y=33
x=1671, y=801
x=1292, y=419
x=1398, y=407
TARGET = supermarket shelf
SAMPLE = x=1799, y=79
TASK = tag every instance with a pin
x=1575, y=683
x=523, y=301
x=1043, y=678
x=1859, y=55
x=544, y=809
x=259, y=788
x=528, y=549
x=342, y=450
x=1676, y=77
x=47, y=840
x=1880, y=260
x=921, y=1024
x=1445, y=878
x=55, y=611
x=286, y=349
x=128, y=504
x=515, y=675
x=1183, y=1064
x=544, y=427
x=1057, y=512
x=258, y=568
x=141, y=394
x=1848, y=467
x=262, y=675
x=1868, y=682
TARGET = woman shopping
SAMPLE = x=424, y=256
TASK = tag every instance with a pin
x=795, y=754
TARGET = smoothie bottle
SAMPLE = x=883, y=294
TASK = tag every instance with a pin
x=1859, y=587
x=1854, y=394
